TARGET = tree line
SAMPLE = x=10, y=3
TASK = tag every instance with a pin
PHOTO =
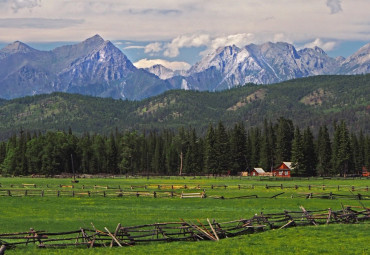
x=167, y=152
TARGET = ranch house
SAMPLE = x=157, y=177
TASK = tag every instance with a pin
x=365, y=172
x=283, y=170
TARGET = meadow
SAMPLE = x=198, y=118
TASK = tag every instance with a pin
x=52, y=213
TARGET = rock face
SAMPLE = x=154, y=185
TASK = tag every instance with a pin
x=92, y=67
x=358, y=63
x=161, y=71
x=261, y=64
x=96, y=67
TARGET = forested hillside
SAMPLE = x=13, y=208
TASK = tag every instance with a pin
x=313, y=102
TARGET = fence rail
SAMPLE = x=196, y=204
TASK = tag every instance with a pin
x=184, y=230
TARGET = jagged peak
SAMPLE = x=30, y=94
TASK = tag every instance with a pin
x=96, y=38
x=17, y=47
x=319, y=50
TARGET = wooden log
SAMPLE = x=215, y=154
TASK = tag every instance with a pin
x=2, y=249
x=213, y=230
x=288, y=224
x=113, y=237
x=115, y=233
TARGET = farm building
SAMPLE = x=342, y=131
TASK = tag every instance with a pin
x=365, y=172
x=283, y=170
x=243, y=173
x=257, y=172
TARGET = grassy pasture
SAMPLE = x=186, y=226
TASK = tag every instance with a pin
x=52, y=213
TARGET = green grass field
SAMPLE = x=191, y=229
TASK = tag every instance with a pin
x=52, y=213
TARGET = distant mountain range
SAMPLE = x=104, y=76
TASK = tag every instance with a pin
x=96, y=67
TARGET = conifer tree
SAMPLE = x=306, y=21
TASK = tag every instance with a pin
x=222, y=149
x=267, y=147
x=284, y=138
x=324, y=152
x=309, y=154
x=238, y=149
x=297, y=154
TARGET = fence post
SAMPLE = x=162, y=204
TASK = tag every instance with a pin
x=25, y=193
x=104, y=194
x=281, y=186
x=155, y=194
x=309, y=187
x=9, y=194
x=58, y=193
x=42, y=193
x=353, y=188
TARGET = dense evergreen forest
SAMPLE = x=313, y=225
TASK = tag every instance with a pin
x=313, y=101
x=220, y=150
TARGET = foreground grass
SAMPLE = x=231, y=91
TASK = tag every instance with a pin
x=71, y=213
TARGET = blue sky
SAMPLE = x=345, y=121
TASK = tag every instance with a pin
x=181, y=32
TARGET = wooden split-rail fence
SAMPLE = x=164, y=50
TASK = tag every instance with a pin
x=184, y=230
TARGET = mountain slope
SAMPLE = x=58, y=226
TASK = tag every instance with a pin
x=261, y=64
x=358, y=63
x=92, y=67
x=312, y=101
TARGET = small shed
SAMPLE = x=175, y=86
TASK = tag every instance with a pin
x=257, y=172
x=283, y=170
x=243, y=173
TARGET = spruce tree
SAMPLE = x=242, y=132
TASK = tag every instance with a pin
x=324, y=152
x=210, y=151
x=284, y=138
x=238, y=149
x=297, y=154
x=222, y=149
x=309, y=154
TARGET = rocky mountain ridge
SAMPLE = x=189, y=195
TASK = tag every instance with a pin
x=96, y=67
x=267, y=63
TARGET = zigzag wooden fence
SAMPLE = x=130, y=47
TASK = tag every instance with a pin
x=184, y=230
x=168, y=194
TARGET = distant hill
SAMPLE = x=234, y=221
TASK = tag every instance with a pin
x=312, y=101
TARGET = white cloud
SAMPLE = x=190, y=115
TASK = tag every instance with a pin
x=153, y=47
x=334, y=6
x=134, y=47
x=172, y=48
x=173, y=65
x=237, y=39
x=26, y=23
x=326, y=46
x=162, y=20
x=16, y=5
